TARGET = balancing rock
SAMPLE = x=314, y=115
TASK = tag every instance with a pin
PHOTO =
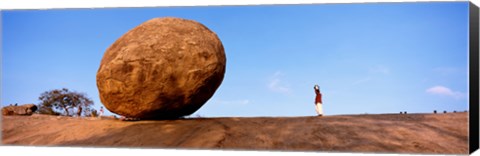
x=163, y=68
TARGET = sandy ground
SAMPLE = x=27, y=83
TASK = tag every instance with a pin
x=384, y=133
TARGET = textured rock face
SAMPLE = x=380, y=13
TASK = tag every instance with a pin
x=26, y=109
x=163, y=68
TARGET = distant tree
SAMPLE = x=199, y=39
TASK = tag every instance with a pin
x=64, y=102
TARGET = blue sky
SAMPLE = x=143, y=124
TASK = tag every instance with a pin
x=367, y=58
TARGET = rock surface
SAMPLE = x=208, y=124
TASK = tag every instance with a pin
x=163, y=68
x=26, y=109
x=378, y=133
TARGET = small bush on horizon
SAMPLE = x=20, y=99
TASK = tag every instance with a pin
x=93, y=113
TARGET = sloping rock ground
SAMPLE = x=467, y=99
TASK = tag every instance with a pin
x=382, y=133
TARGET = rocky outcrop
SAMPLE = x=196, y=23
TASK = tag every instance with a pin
x=26, y=109
x=163, y=68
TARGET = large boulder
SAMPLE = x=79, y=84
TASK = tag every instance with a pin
x=26, y=109
x=163, y=68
